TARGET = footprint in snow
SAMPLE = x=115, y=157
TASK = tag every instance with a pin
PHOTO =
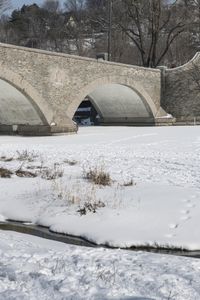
x=185, y=218
x=185, y=212
x=190, y=205
x=173, y=226
x=186, y=200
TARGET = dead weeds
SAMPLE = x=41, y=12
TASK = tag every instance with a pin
x=24, y=173
x=5, y=173
x=70, y=162
x=98, y=176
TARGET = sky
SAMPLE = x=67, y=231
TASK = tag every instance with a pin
x=20, y=3
x=17, y=4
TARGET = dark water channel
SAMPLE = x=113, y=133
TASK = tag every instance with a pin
x=44, y=232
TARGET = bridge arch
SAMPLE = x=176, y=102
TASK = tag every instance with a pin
x=128, y=83
x=19, y=83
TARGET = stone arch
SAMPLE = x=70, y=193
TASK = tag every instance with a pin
x=121, y=80
x=23, y=86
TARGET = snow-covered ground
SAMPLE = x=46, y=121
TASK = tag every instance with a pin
x=154, y=196
x=32, y=268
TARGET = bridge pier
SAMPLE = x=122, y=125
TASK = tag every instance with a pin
x=61, y=123
x=62, y=129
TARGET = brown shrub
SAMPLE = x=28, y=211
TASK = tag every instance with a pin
x=70, y=162
x=6, y=159
x=22, y=173
x=53, y=173
x=90, y=207
x=26, y=155
x=129, y=183
x=5, y=173
x=98, y=176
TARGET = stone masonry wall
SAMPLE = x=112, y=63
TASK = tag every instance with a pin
x=57, y=83
x=180, y=92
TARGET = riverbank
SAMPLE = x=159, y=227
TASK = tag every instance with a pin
x=44, y=232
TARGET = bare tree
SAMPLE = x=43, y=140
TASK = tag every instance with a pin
x=151, y=25
x=77, y=25
x=193, y=11
x=52, y=6
x=74, y=5
x=4, y=5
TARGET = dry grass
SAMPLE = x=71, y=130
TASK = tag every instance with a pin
x=23, y=173
x=82, y=197
x=98, y=176
x=6, y=159
x=129, y=183
x=26, y=155
x=70, y=162
x=90, y=207
x=5, y=173
x=52, y=173
x=33, y=167
x=70, y=194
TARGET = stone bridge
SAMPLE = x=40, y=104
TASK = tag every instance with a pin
x=41, y=90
